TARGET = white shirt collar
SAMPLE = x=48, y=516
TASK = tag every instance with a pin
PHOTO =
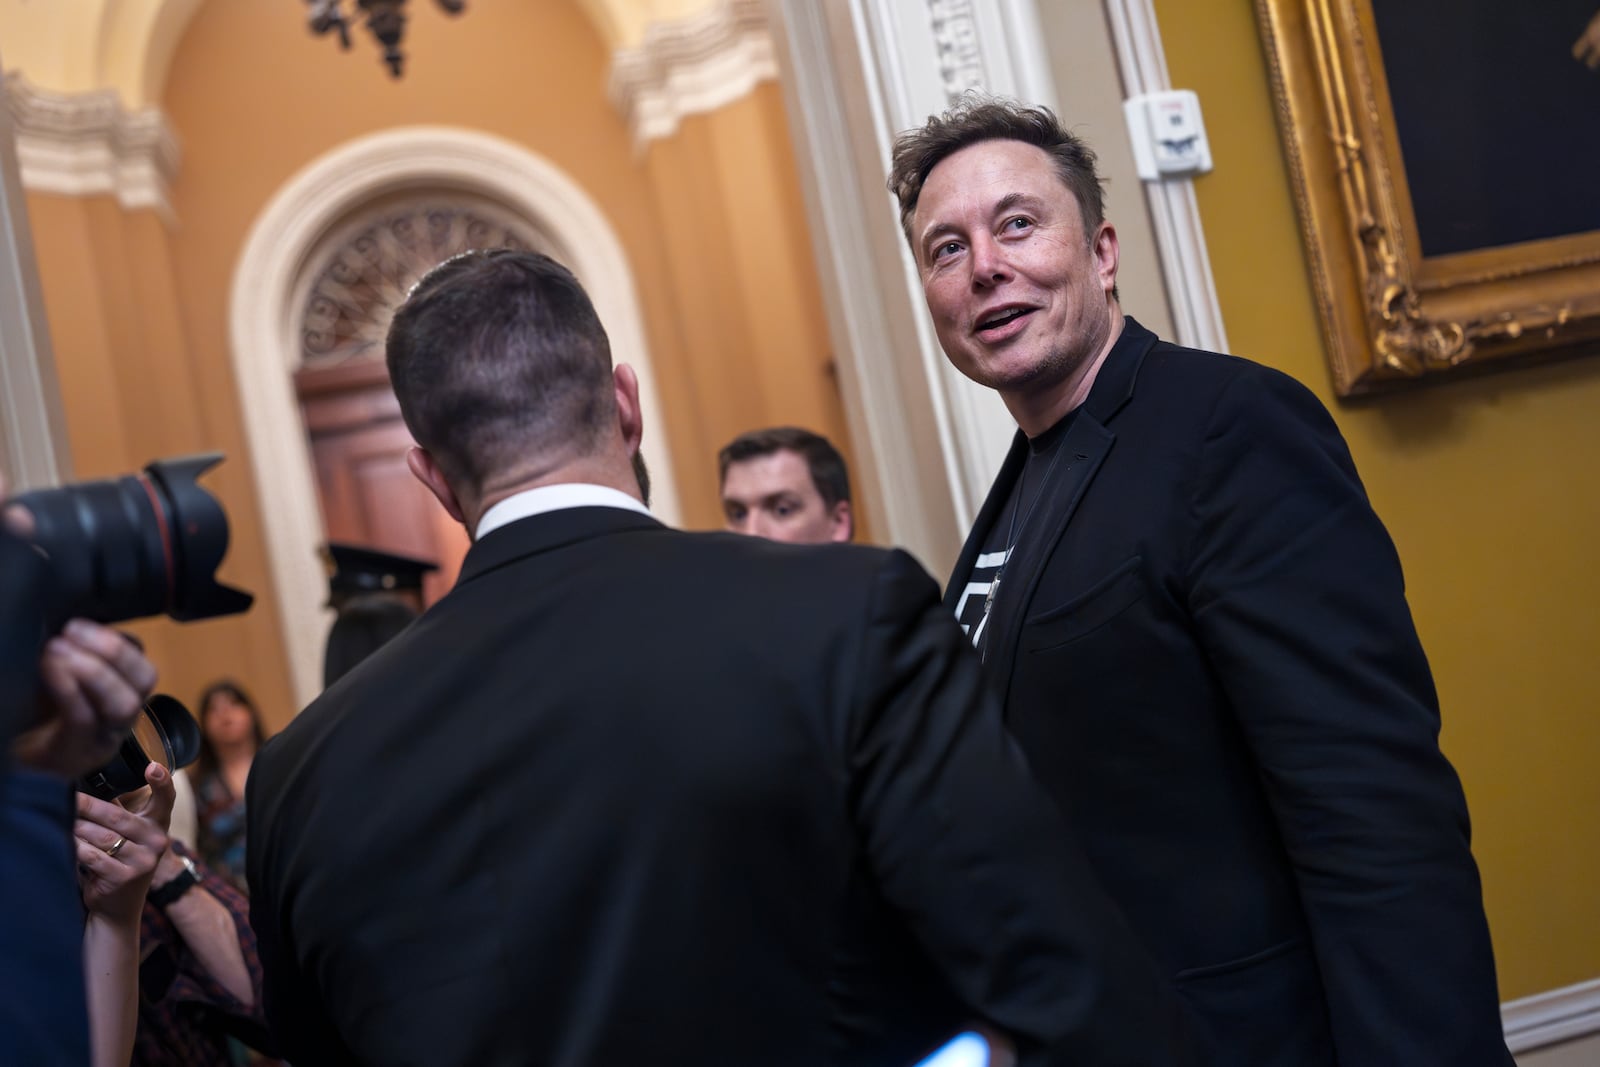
x=545, y=498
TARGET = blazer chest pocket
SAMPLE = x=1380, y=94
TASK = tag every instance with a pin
x=1083, y=614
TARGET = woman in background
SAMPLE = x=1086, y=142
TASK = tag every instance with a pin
x=230, y=734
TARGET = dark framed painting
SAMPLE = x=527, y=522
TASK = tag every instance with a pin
x=1445, y=156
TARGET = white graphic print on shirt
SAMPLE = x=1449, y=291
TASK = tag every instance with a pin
x=973, y=607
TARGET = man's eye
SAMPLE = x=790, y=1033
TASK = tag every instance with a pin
x=1020, y=222
x=949, y=248
x=734, y=514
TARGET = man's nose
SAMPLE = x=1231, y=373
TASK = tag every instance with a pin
x=988, y=261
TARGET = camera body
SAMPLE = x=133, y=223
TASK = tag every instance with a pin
x=110, y=551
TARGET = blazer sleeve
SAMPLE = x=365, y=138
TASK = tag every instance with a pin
x=977, y=858
x=1297, y=594
x=300, y=1028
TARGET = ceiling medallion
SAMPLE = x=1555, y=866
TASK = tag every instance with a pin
x=386, y=19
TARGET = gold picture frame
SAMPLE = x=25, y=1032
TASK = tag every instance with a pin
x=1390, y=314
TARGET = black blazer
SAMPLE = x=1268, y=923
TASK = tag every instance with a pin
x=634, y=796
x=1206, y=653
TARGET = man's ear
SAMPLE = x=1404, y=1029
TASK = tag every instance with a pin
x=844, y=522
x=1107, y=255
x=626, y=385
x=426, y=470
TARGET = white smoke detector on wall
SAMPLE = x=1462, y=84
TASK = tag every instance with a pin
x=1168, y=135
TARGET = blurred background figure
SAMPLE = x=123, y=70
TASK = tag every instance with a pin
x=230, y=735
x=375, y=595
x=785, y=484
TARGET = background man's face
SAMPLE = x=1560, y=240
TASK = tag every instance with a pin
x=1018, y=292
x=773, y=496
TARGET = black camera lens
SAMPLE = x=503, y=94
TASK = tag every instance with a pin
x=164, y=733
x=144, y=544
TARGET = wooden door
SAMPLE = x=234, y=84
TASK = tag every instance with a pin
x=369, y=497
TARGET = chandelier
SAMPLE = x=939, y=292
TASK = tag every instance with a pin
x=386, y=20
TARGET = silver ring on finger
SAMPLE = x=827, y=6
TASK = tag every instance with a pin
x=117, y=846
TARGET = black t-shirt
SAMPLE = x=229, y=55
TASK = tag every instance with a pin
x=975, y=608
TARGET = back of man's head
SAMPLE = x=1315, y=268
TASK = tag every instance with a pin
x=499, y=362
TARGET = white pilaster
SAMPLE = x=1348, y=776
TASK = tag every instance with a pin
x=1191, y=292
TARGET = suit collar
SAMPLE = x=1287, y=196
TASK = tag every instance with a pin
x=1113, y=386
x=1087, y=443
x=545, y=531
x=545, y=498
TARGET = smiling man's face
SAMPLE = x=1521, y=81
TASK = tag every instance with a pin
x=1020, y=295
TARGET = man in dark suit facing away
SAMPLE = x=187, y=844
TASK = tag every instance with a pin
x=1199, y=629
x=628, y=795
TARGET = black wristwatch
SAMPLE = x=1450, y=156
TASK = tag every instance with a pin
x=180, y=884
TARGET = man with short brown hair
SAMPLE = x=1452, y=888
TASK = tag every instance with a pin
x=1200, y=629
x=786, y=484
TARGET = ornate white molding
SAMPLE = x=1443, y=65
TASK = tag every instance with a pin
x=1174, y=211
x=269, y=282
x=1551, y=1018
x=691, y=66
x=955, y=32
x=87, y=144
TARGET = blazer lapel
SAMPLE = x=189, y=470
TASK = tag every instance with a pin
x=1087, y=443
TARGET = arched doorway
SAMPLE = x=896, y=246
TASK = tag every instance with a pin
x=276, y=273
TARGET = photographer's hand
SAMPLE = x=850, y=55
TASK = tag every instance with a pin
x=95, y=682
x=119, y=845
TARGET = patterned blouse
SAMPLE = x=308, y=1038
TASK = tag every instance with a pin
x=220, y=823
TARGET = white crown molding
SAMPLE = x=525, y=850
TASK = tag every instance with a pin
x=691, y=66
x=1551, y=1018
x=87, y=144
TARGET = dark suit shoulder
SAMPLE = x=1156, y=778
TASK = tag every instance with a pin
x=1200, y=372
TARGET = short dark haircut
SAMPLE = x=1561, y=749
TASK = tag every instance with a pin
x=364, y=624
x=498, y=355
x=827, y=467
x=976, y=118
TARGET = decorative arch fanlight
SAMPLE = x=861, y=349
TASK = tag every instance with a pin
x=365, y=267
x=386, y=21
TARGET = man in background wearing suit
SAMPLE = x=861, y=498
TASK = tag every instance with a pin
x=1199, y=630
x=785, y=484
x=600, y=805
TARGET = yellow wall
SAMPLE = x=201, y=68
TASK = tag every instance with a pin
x=1490, y=489
x=742, y=277
x=711, y=221
x=135, y=390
